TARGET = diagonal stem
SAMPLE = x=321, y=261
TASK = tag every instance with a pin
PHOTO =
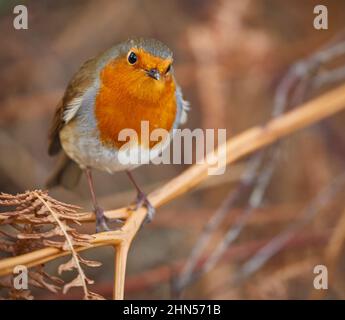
x=70, y=244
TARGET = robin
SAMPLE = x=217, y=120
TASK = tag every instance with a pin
x=130, y=83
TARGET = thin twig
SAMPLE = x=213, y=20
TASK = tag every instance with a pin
x=278, y=242
x=254, y=202
x=187, y=275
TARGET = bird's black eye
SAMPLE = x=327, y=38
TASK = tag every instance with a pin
x=132, y=58
x=168, y=69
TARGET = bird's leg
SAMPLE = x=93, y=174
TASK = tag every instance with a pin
x=142, y=200
x=101, y=219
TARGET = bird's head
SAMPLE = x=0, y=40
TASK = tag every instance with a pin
x=143, y=69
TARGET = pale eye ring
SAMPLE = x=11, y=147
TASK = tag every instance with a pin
x=132, y=58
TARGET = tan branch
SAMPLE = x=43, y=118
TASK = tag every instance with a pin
x=120, y=270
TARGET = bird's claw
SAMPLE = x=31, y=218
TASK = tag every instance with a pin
x=142, y=201
x=101, y=220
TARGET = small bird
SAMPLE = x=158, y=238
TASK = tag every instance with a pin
x=118, y=89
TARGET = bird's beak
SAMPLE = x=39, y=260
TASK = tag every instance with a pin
x=153, y=73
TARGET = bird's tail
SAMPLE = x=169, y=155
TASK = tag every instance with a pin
x=66, y=174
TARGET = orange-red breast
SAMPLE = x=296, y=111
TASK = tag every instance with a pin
x=127, y=84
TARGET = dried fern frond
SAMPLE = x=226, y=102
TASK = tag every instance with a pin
x=34, y=220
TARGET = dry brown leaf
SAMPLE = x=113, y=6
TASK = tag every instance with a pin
x=90, y=263
x=76, y=282
x=53, y=279
x=29, y=236
x=68, y=266
x=39, y=278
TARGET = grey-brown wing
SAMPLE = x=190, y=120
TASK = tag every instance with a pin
x=71, y=102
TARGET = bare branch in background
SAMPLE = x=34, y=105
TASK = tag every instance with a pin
x=291, y=91
x=273, y=247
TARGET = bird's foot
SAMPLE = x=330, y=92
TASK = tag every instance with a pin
x=101, y=220
x=143, y=201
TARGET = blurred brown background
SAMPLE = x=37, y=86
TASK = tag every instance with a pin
x=229, y=58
